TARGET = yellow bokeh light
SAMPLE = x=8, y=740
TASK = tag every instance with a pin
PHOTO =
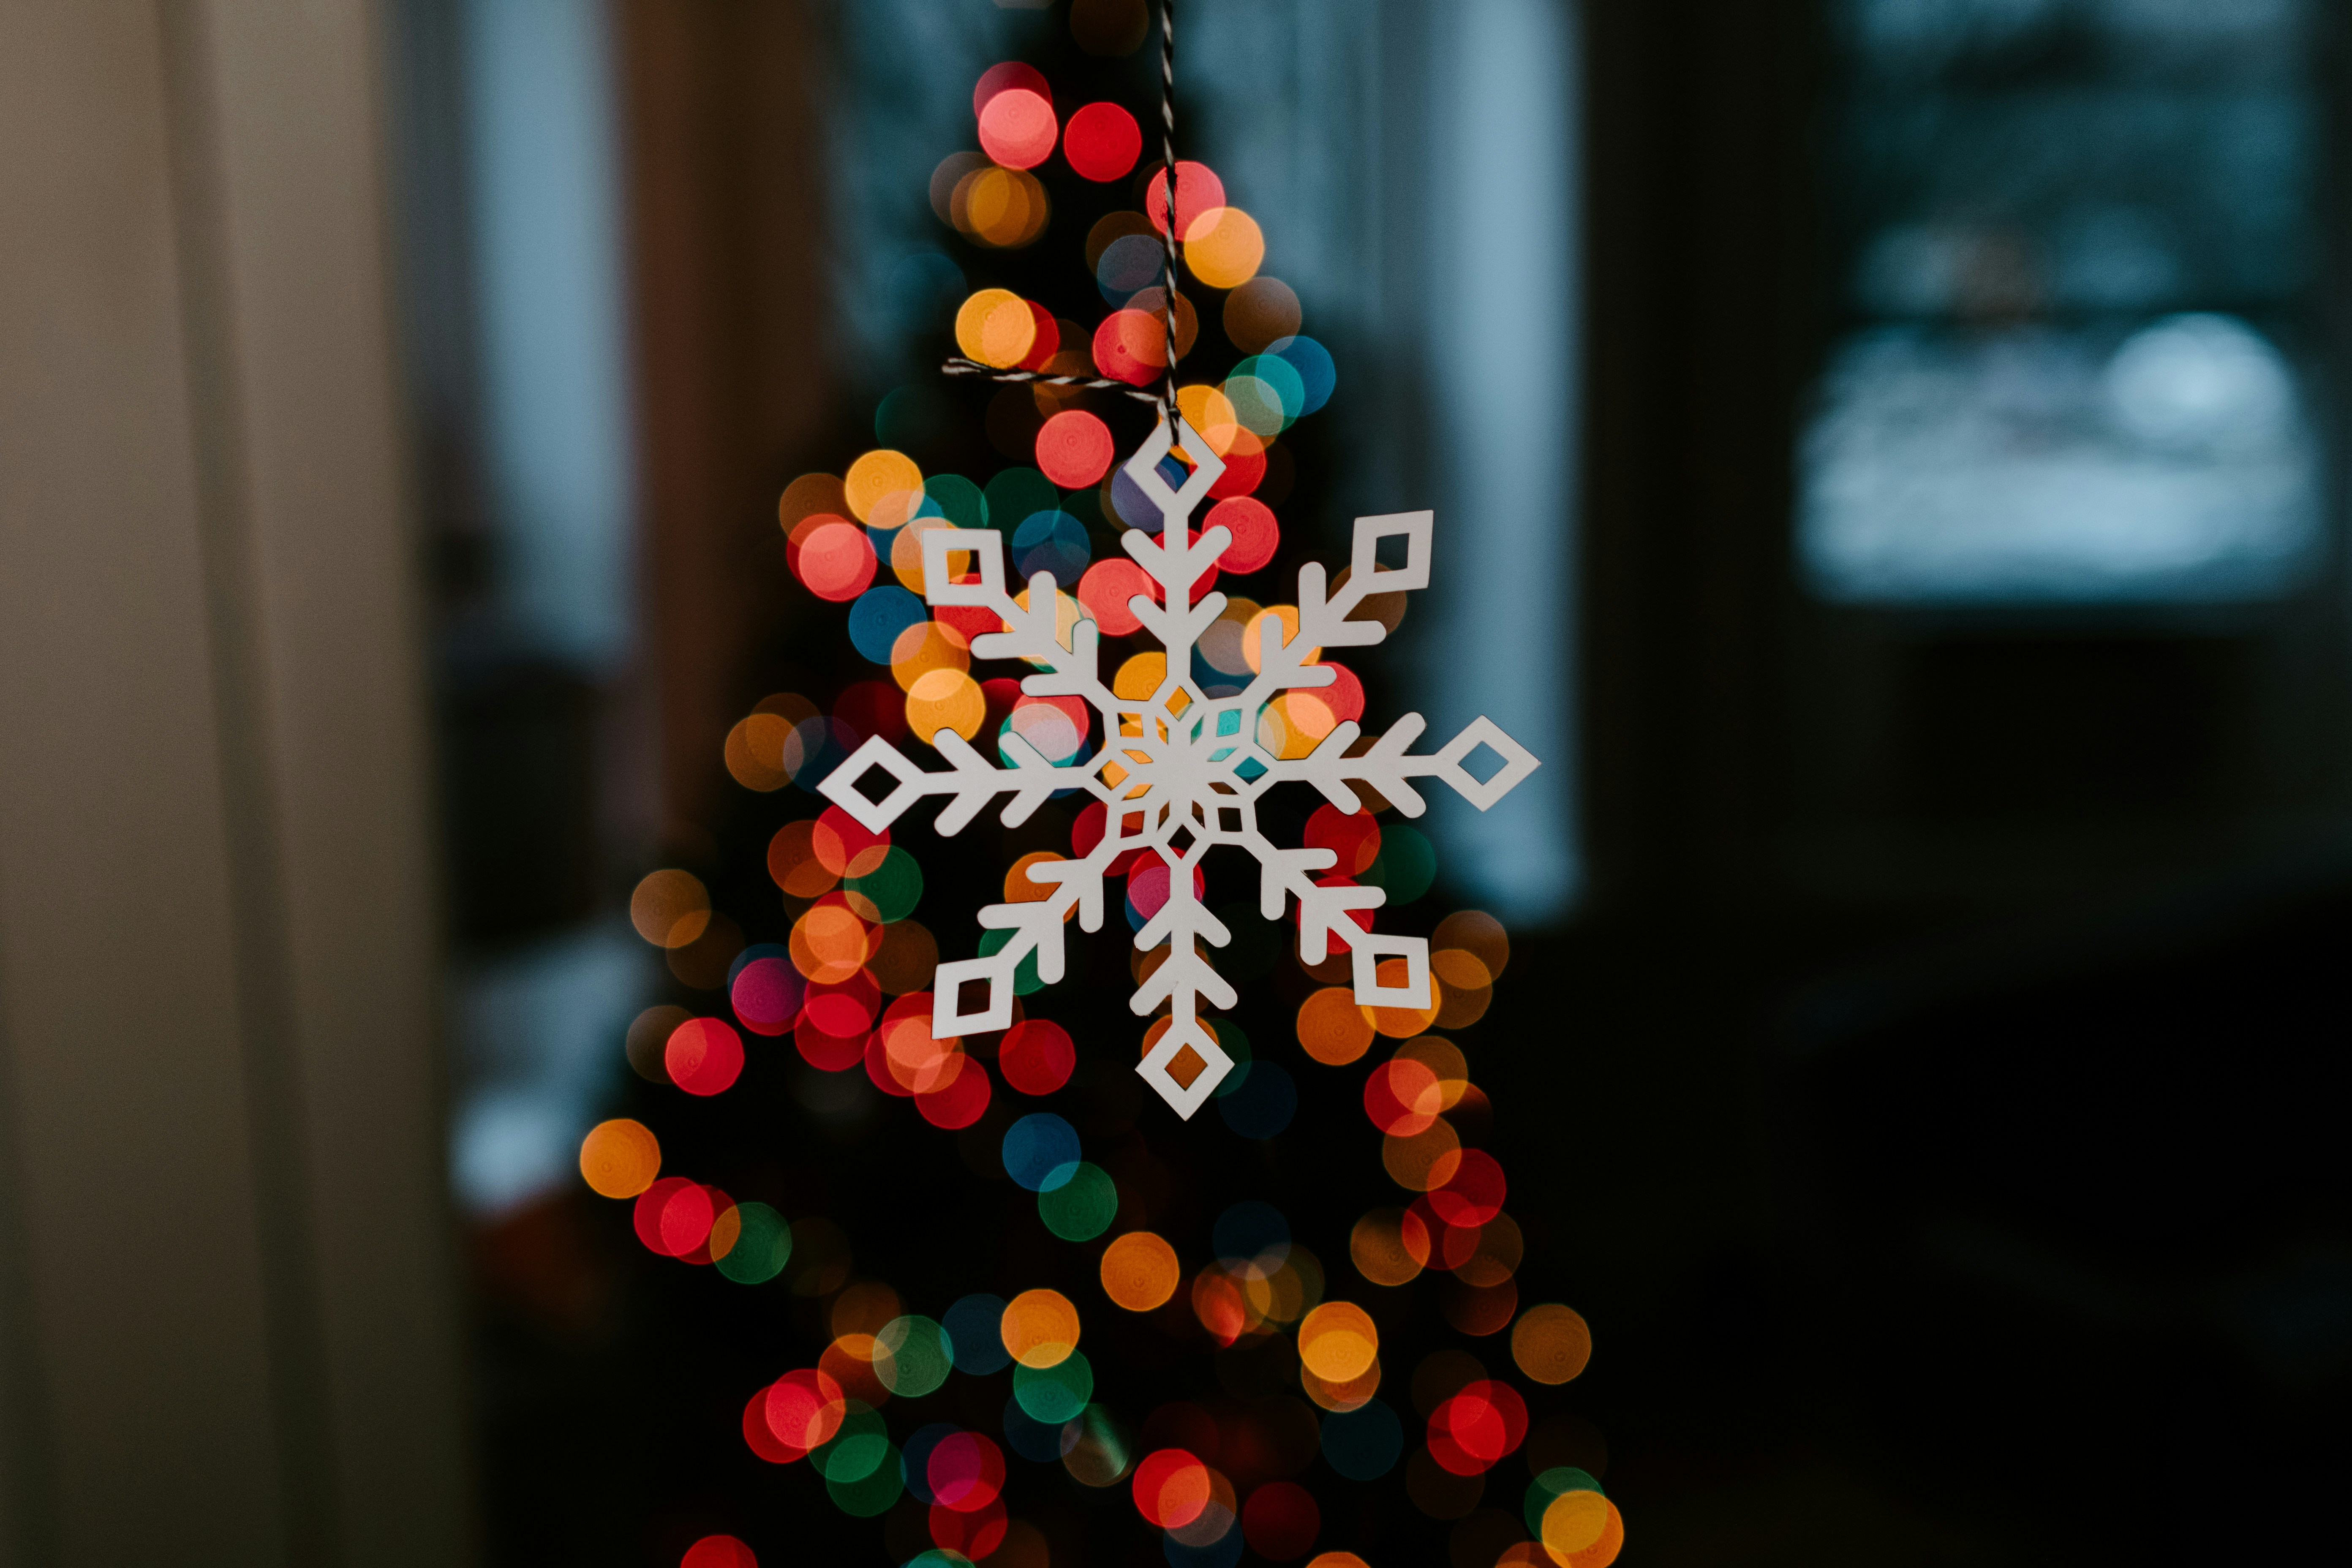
x=924, y=647
x=1006, y=208
x=1140, y=677
x=1426, y=1159
x=755, y=751
x=945, y=699
x=1019, y=889
x=1336, y=1342
x=1225, y=247
x=1039, y=1327
x=1340, y=1397
x=1469, y=950
x=1206, y=408
x=1575, y=1520
x=620, y=1158
x=879, y=473
x=669, y=908
x=996, y=327
x=1551, y=1342
x=1140, y=1271
x=1377, y=1247
x=1332, y=1028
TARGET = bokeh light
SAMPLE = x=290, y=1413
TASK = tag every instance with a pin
x=763, y=1245
x=1055, y=1393
x=620, y=1158
x=1006, y=77
x=1140, y=1271
x=999, y=207
x=1336, y=1342
x=669, y=908
x=1332, y=1028
x=1039, y=1327
x=1017, y=128
x=1551, y=1343
x=1198, y=189
x=1224, y=246
x=1171, y=1486
x=877, y=474
x=994, y=326
x=1073, y=449
x=1081, y=1206
x=1036, y=1057
x=911, y=1357
x=1102, y=142
x=704, y=1056
x=719, y=1551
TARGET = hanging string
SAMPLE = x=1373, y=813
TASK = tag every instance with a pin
x=1165, y=400
x=1168, y=162
x=959, y=365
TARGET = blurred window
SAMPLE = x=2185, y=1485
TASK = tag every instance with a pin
x=1454, y=120
x=2073, y=360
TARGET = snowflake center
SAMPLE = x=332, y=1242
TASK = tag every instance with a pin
x=1180, y=773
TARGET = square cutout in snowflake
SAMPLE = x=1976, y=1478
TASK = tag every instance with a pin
x=1178, y=771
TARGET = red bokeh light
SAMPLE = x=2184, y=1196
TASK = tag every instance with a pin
x=972, y=1535
x=1256, y=532
x=804, y=1409
x=1075, y=448
x=704, y=1056
x=1171, y=1487
x=1245, y=469
x=1004, y=78
x=1048, y=341
x=959, y=1102
x=1102, y=141
x=1106, y=589
x=719, y=1551
x=1037, y=1056
x=965, y=1472
x=1017, y=128
x=1197, y=190
x=1475, y=1195
x=766, y=996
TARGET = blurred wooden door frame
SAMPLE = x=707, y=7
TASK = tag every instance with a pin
x=725, y=151
x=228, y=1316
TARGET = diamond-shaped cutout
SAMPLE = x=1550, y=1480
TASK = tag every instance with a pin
x=951, y=1018
x=841, y=785
x=985, y=545
x=1143, y=468
x=1185, y=1036
x=1369, y=950
x=1517, y=763
x=1366, y=575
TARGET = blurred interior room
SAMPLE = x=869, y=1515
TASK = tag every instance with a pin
x=1888, y=459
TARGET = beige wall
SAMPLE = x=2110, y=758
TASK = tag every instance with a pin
x=227, y=1331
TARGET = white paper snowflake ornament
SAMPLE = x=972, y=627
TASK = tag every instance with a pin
x=1179, y=773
